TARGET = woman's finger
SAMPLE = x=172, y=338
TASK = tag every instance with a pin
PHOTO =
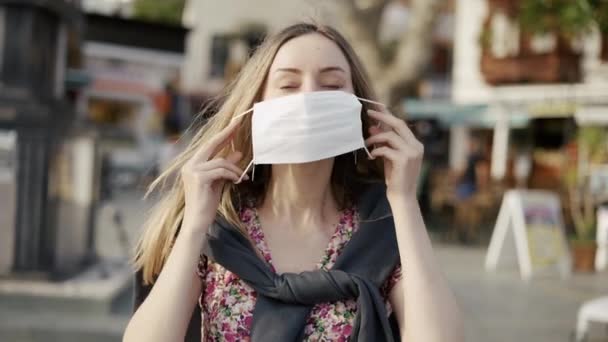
x=221, y=174
x=391, y=138
x=385, y=152
x=373, y=130
x=217, y=142
x=394, y=123
x=218, y=163
x=234, y=157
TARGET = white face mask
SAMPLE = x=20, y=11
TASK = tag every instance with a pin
x=306, y=127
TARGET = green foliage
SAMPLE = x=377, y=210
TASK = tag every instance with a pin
x=163, y=11
x=586, y=233
x=600, y=12
x=567, y=17
x=591, y=147
x=485, y=38
x=595, y=140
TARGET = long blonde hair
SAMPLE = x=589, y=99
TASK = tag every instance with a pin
x=348, y=177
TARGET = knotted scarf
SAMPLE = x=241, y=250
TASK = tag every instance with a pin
x=285, y=300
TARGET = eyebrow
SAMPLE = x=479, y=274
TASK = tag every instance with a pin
x=290, y=70
x=323, y=70
x=332, y=68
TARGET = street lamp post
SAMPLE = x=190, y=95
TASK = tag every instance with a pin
x=33, y=62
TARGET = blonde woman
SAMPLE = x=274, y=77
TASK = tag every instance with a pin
x=294, y=215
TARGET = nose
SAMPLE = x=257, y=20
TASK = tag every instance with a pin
x=310, y=84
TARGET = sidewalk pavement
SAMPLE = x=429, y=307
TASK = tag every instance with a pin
x=497, y=306
x=94, y=306
x=501, y=307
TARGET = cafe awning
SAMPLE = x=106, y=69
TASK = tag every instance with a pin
x=449, y=114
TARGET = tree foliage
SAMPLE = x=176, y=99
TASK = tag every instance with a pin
x=164, y=11
x=409, y=56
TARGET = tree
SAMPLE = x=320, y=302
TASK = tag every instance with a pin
x=164, y=11
x=393, y=70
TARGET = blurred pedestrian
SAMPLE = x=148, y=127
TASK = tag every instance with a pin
x=467, y=182
x=175, y=109
x=284, y=167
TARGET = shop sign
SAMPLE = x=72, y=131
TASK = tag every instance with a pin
x=552, y=109
x=530, y=235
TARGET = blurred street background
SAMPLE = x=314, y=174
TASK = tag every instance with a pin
x=509, y=98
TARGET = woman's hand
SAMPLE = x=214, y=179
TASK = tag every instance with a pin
x=204, y=176
x=401, y=151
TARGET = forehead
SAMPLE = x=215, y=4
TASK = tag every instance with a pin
x=308, y=53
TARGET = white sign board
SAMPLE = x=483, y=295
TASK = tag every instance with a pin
x=601, y=257
x=590, y=115
x=530, y=233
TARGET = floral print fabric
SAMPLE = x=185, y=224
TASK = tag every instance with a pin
x=227, y=302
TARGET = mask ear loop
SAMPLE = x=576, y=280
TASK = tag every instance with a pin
x=234, y=118
x=233, y=149
x=242, y=114
x=369, y=155
x=245, y=172
x=372, y=102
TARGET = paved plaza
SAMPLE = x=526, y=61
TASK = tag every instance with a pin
x=497, y=306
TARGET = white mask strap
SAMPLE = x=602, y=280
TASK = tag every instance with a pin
x=369, y=155
x=250, y=163
x=370, y=101
x=234, y=118
x=238, y=116
x=245, y=172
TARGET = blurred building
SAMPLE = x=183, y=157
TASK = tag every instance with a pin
x=524, y=77
x=46, y=231
x=122, y=8
x=221, y=30
x=135, y=68
x=223, y=34
x=520, y=91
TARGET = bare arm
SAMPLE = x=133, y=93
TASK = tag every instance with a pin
x=423, y=302
x=166, y=312
x=424, y=305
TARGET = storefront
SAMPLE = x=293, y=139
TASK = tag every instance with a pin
x=134, y=100
x=529, y=146
x=502, y=61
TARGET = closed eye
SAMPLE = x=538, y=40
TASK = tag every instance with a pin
x=288, y=87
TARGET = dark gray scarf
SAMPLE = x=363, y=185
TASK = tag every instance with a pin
x=285, y=301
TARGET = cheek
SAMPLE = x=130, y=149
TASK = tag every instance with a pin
x=269, y=94
x=266, y=93
x=349, y=87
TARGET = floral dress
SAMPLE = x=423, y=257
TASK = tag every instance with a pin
x=227, y=302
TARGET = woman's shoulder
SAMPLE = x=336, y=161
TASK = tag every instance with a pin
x=372, y=203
